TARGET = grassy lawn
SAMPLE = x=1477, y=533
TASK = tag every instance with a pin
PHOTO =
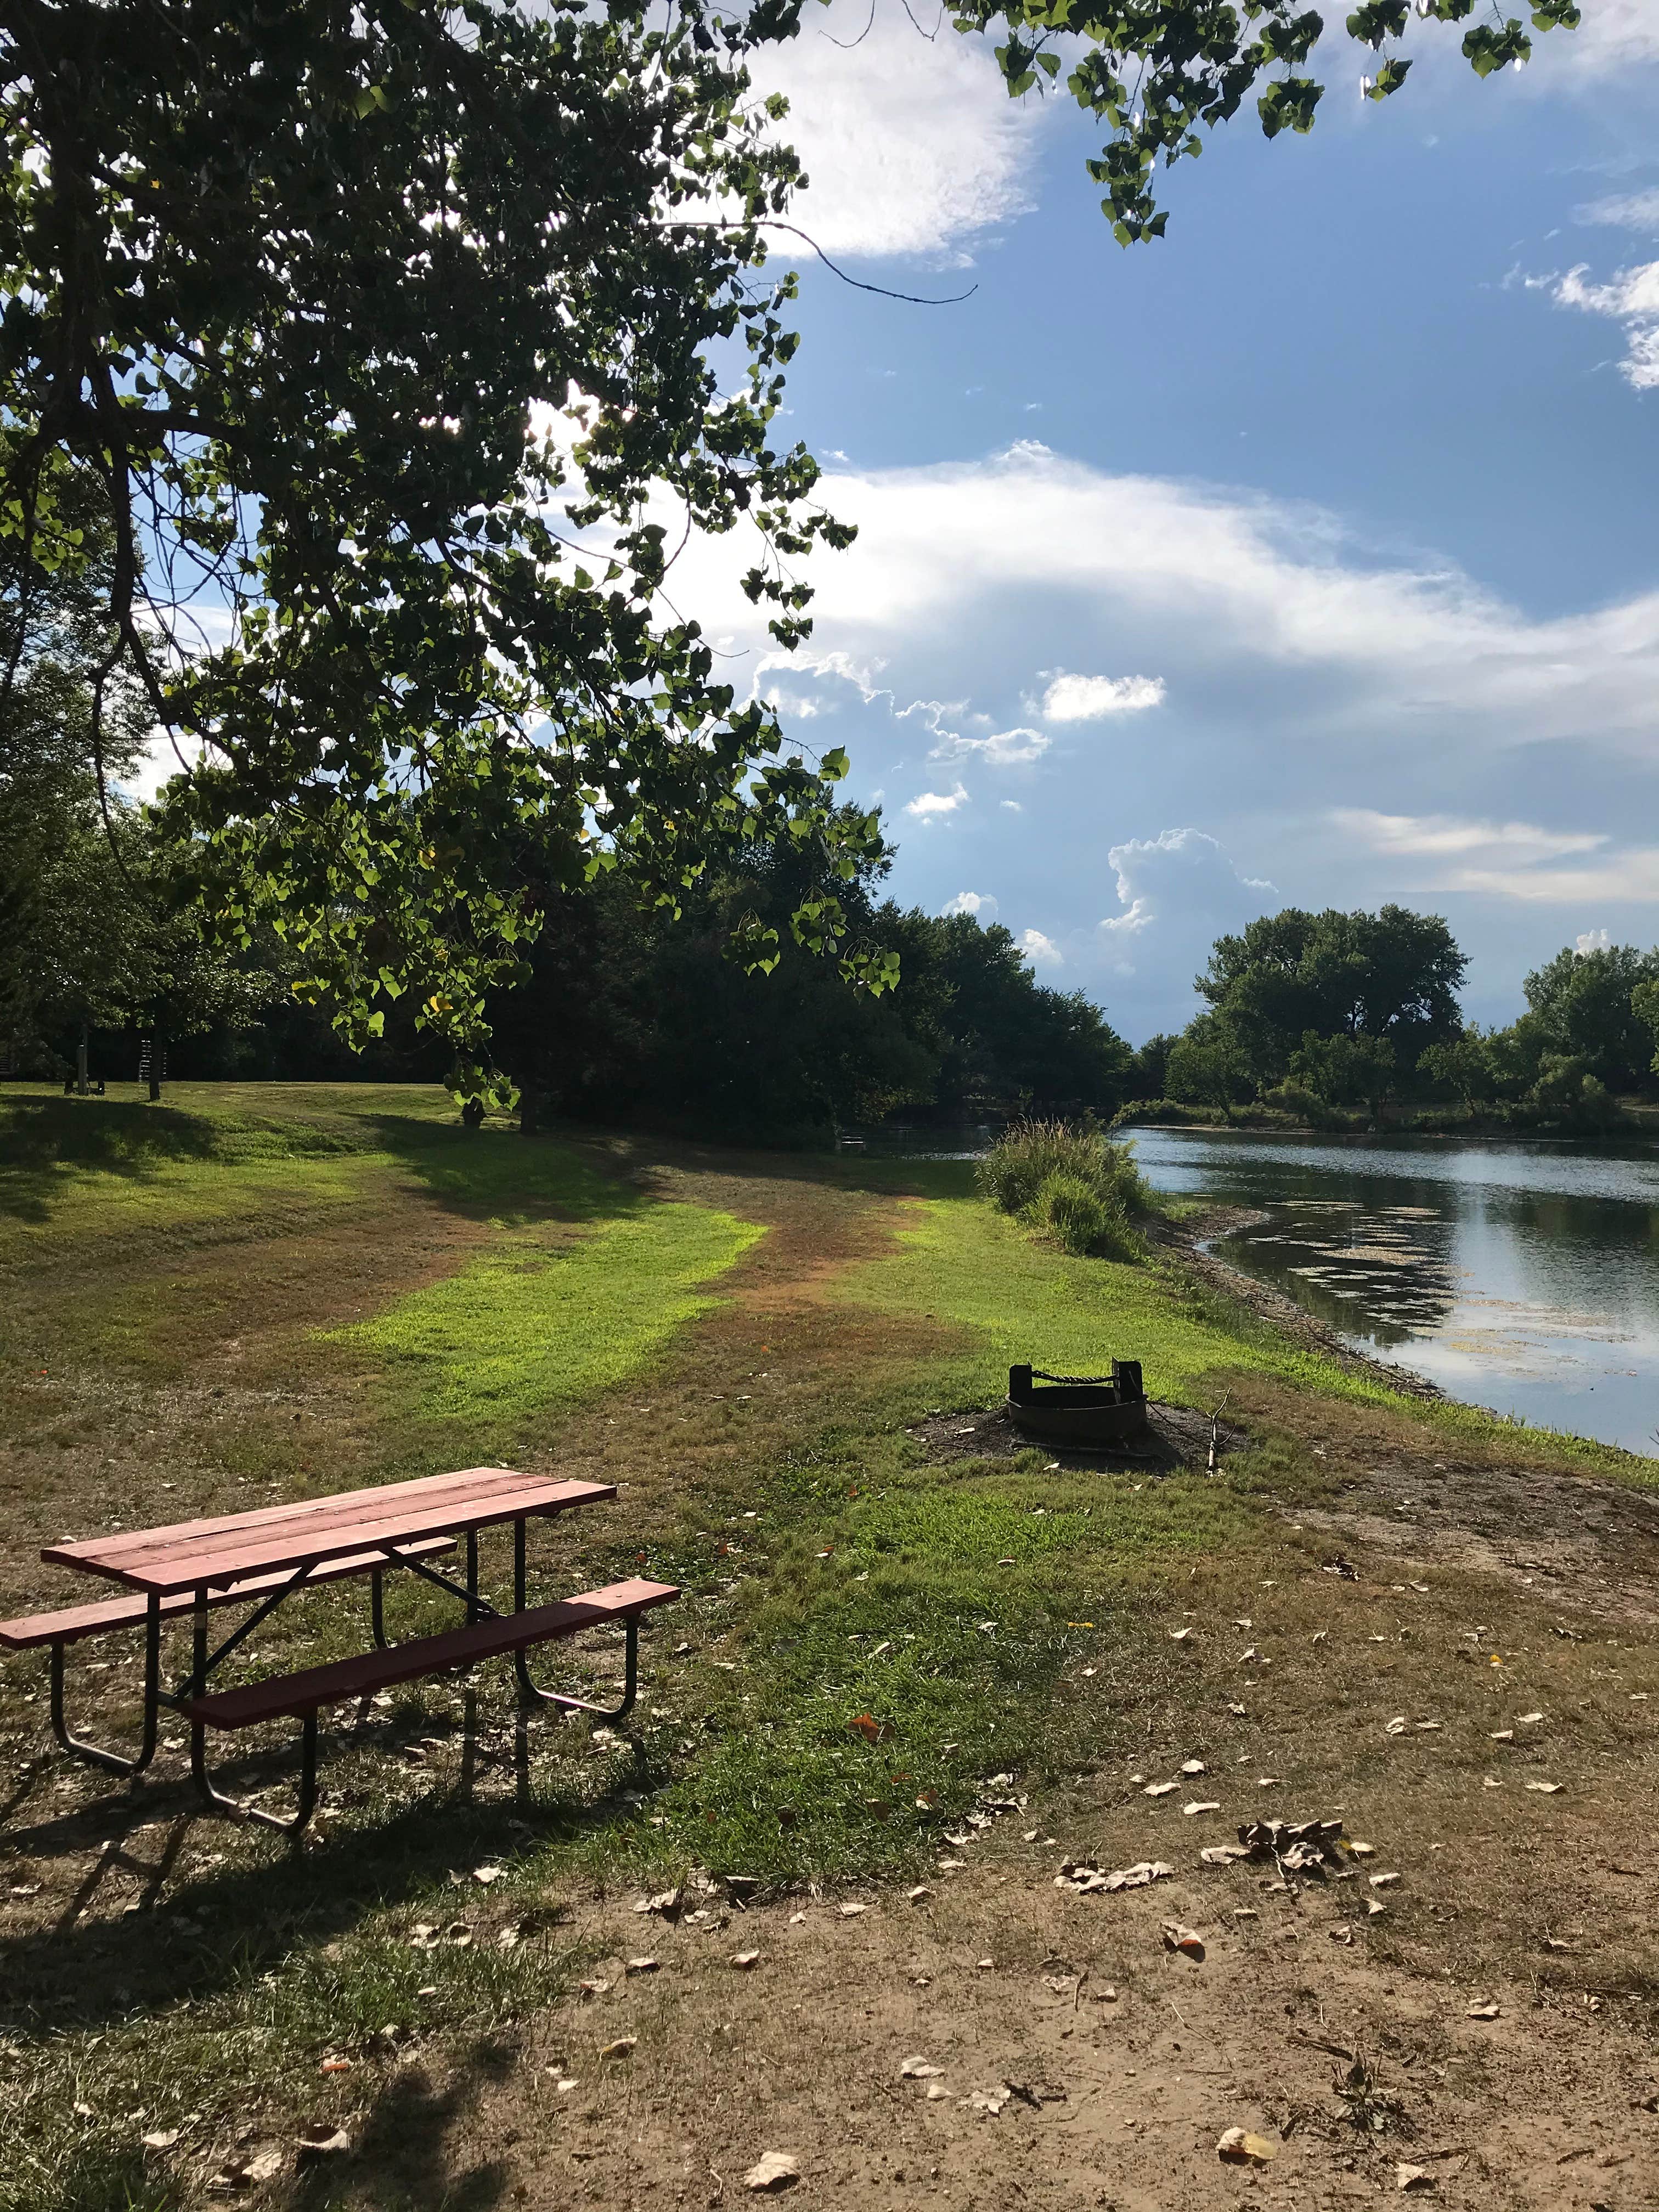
x=258, y=1293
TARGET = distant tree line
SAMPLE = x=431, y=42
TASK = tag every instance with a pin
x=1335, y=1018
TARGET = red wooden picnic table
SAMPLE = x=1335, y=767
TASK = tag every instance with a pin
x=267, y=1555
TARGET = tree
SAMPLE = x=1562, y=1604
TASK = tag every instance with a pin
x=1581, y=1003
x=396, y=331
x=1159, y=72
x=1645, y=1004
x=1392, y=974
x=1345, y=1071
x=1464, y=1064
x=1209, y=1065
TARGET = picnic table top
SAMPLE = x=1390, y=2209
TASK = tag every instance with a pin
x=207, y=1554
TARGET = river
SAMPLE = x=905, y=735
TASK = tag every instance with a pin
x=1522, y=1276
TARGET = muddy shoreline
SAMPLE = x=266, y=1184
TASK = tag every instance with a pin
x=1186, y=1241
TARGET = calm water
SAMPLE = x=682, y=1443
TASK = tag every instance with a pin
x=1523, y=1276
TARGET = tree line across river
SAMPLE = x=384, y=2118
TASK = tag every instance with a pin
x=627, y=1013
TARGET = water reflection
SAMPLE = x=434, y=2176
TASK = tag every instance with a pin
x=1522, y=1277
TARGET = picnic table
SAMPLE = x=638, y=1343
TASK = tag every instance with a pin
x=261, y=1559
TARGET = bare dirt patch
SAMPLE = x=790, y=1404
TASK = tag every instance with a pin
x=1176, y=1436
x=999, y=2041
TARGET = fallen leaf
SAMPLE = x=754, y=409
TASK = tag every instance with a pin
x=592, y=1989
x=867, y=1726
x=744, y=1960
x=1194, y=1766
x=918, y=2068
x=264, y=2166
x=1530, y=1720
x=915, y=1896
x=1396, y=1726
x=1413, y=2177
x=777, y=2170
x=851, y=1911
x=622, y=2048
x=1239, y=2148
x=1222, y=1854
x=1375, y=1906
x=336, y=2065
x=1179, y=1635
x=1483, y=2008
x=161, y=2138
x=1201, y=1805
x=1384, y=1880
x=641, y=1967
x=1489, y=1781
x=322, y=2142
x=988, y=2100
x=1503, y=1735
x=1159, y=1788
x=1545, y=1789
x=485, y=1875
x=1186, y=1941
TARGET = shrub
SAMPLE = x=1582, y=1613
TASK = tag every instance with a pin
x=1070, y=1211
x=1070, y=1182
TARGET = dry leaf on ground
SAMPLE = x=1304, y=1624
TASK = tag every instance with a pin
x=779, y=2169
x=1186, y=1941
x=918, y=2068
x=1239, y=2148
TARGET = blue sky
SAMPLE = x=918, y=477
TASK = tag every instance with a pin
x=1308, y=557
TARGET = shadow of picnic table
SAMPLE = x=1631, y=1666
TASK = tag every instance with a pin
x=172, y=1942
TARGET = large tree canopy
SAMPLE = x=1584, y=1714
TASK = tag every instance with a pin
x=404, y=343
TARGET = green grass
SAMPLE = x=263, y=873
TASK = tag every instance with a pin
x=835, y=1574
x=520, y=1329
x=963, y=1263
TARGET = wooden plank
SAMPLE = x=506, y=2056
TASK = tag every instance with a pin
x=110, y=1551
x=339, y=1680
x=69, y=1626
x=222, y=1561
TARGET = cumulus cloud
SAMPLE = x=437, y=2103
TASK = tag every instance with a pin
x=1176, y=894
x=1091, y=698
x=1041, y=952
x=929, y=804
x=980, y=904
x=1629, y=297
x=910, y=144
x=1591, y=940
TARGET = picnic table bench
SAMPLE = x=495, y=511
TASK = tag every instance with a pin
x=264, y=1556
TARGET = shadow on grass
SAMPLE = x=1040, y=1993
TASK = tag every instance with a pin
x=400, y=2155
x=492, y=1173
x=233, y=1924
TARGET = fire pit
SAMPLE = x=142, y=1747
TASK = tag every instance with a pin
x=1079, y=1411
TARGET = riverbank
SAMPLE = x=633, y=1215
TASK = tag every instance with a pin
x=905, y=1678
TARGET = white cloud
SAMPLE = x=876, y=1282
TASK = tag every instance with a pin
x=1615, y=38
x=1591, y=940
x=910, y=144
x=1013, y=805
x=1632, y=875
x=1007, y=749
x=980, y=904
x=930, y=803
x=1440, y=834
x=957, y=563
x=1091, y=698
x=1631, y=297
x=1041, y=952
x=1625, y=210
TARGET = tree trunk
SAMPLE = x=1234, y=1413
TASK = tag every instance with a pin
x=81, y=1085
x=528, y=1105
x=157, y=1045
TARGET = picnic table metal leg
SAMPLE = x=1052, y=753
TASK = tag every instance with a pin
x=95, y=1754
x=528, y=1690
x=377, y=1607
x=233, y=1807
